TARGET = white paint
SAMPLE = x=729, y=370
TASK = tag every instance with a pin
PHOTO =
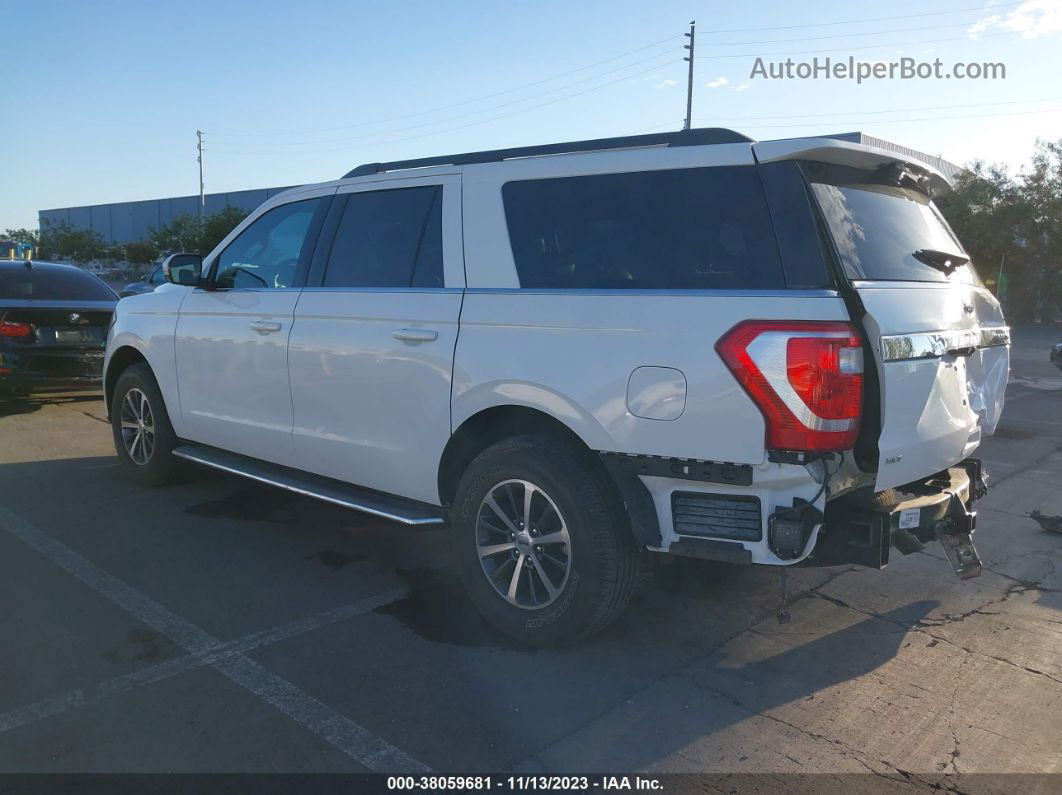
x=934, y=410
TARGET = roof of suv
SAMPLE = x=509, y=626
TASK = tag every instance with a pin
x=850, y=148
x=697, y=137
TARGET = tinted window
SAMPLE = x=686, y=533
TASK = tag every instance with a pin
x=52, y=284
x=389, y=238
x=799, y=241
x=703, y=228
x=878, y=225
x=267, y=253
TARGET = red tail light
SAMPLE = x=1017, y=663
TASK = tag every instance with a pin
x=11, y=328
x=805, y=377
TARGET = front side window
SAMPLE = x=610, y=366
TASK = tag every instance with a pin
x=682, y=229
x=389, y=238
x=267, y=253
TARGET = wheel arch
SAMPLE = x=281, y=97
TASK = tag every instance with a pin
x=491, y=425
x=121, y=359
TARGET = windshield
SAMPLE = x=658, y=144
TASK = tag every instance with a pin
x=880, y=228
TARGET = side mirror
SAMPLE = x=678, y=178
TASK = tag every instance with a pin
x=183, y=269
x=144, y=278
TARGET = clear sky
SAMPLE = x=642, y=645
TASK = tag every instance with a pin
x=103, y=98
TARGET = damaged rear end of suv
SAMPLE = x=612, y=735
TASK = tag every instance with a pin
x=928, y=358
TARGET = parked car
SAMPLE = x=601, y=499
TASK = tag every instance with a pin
x=691, y=343
x=96, y=269
x=1056, y=355
x=145, y=284
x=53, y=326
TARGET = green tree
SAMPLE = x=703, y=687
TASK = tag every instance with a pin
x=983, y=210
x=1014, y=223
x=1039, y=229
x=217, y=226
x=22, y=235
x=181, y=234
x=191, y=233
x=80, y=245
x=141, y=253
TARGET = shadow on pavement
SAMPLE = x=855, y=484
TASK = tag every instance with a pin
x=11, y=405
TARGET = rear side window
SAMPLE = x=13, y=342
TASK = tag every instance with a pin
x=389, y=238
x=52, y=284
x=878, y=225
x=683, y=229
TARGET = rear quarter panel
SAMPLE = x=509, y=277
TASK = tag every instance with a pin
x=571, y=355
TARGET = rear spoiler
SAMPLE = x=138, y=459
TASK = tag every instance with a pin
x=844, y=153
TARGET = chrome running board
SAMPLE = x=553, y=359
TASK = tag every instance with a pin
x=386, y=506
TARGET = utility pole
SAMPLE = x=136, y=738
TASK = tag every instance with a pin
x=689, y=82
x=199, y=148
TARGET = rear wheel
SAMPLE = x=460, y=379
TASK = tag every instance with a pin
x=143, y=436
x=543, y=548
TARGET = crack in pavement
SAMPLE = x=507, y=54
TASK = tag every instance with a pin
x=949, y=618
x=855, y=754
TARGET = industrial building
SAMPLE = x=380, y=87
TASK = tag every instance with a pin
x=128, y=222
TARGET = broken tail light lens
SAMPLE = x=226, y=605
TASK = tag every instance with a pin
x=805, y=377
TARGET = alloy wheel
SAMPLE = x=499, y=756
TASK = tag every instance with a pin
x=138, y=426
x=523, y=544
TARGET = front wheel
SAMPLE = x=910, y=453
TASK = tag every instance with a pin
x=143, y=436
x=544, y=551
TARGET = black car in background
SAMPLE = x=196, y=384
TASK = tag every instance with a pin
x=1056, y=355
x=53, y=326
x=145, y=284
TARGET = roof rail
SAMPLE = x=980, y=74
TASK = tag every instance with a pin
x=695, y=137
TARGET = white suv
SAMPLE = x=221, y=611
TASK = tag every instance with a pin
x=691, y=343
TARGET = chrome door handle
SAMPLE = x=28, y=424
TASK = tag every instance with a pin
x=265, y=326
x=416, y=334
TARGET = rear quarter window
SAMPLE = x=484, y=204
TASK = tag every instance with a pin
x=683, y=229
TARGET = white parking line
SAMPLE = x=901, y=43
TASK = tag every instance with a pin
x=346, y=735
x=84, y=696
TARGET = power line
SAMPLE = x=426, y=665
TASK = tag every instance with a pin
x=872, y=19
x=892, y=110
x=451, y=129
x=852, y=49
x=447, y=119
x=463, y=102
x=840, y=35
x=904, y=121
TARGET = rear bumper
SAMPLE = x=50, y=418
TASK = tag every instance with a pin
x=31, y=371
x=22, y=385
x=863, y=528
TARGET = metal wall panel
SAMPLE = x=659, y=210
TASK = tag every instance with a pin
x=128, y=222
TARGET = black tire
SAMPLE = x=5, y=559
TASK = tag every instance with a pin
x=158, y=466
x=601, y=551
